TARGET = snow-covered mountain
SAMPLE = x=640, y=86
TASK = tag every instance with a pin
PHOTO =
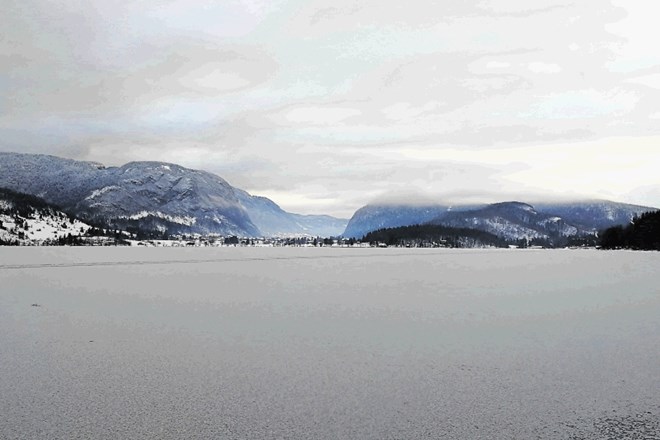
x=158, y=196
x=593, y=215
x=509, y=220
x=170, y=196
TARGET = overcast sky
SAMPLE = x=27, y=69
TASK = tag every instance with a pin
x=326, y=105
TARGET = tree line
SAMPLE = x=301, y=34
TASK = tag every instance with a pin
x=428, y=235
x=24, y=205
x=643, y=233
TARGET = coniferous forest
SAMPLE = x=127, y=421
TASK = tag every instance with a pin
x=643, y=233
x=433, y=235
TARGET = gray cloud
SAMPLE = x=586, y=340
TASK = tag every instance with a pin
x=317, y=103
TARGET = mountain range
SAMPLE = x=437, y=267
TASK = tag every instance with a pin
x=168, y=199
x=507, y=220
x=159, y=196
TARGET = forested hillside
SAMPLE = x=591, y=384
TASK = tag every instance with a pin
x=434, y=235
x=642, y=233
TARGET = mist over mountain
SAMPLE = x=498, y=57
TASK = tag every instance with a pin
x=169, y=198
x=389, y=215
x=273, y=221
x=507, y=220
x=162, y=196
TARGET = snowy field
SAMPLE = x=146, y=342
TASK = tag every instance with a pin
x=291, y=343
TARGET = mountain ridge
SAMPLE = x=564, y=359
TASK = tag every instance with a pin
x=510, y=220
x=171, y=199
x=176, y=199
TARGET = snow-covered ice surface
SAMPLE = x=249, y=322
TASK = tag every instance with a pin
x=308, y=343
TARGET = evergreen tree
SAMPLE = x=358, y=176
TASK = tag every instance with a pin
x=643, y=233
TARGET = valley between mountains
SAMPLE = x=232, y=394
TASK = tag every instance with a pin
x=45, y=197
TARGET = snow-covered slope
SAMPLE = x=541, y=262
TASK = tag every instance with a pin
x=594, y=215
x=511, y=221
x=184, y=199
x=155, y=196
x=26, y=219
x=59, y=181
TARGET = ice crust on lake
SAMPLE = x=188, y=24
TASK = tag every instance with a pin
x=309, y=343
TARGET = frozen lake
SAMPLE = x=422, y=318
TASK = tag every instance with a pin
x=295, y=343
